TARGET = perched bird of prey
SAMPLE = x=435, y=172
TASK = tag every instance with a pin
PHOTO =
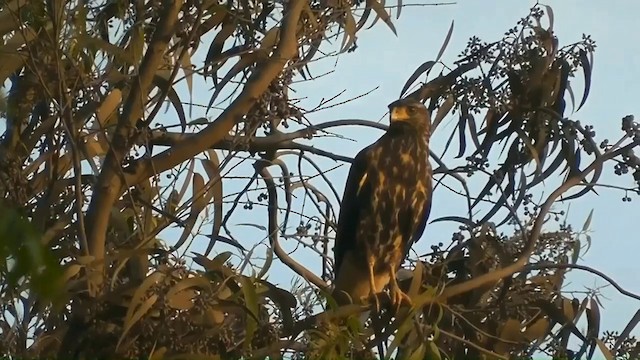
x=385, y=207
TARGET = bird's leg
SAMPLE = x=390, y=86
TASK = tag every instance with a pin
x=398, y=297
x=372, y=282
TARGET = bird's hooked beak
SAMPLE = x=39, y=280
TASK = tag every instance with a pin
x=399, y=113
x=403, y=110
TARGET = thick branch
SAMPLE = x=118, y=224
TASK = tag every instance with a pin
x=110, y=183
x=111, y=186
x=256, y=85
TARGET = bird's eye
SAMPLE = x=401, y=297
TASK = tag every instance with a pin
x=411, y=110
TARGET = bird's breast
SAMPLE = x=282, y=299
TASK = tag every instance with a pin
x=399, y=179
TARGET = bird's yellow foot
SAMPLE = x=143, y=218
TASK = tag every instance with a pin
x=399, y=298
x=376, y=302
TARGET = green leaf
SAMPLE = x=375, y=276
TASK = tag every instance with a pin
x=251, y=302
x=575, y=252
x=382, y=14
x=424, y=67
x=212, y=167
x=349, y=26
x=419, y=353
x=446, y=41
x=586, y=67
x=260, y=227
x=434, y=352
x=267, y=263
x=587, y=222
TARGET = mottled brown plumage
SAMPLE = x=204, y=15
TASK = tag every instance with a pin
x=385, y=206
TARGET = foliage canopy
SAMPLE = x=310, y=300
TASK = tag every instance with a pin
x=92, y=176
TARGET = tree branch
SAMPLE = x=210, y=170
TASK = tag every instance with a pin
x=110, y=184
x=273, y=228
x=587, y=269
x=256, y=85
x=531, y=239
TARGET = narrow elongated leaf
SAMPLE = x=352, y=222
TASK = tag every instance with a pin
x=107, y=108
x=532, y=150
x=251, y=302
x=462, y=139
x=416, y=74
x=382, y=14
x=434, y=351
x=270, y=38
x=187, y=69
x=261, y=227
x=245, y=61
x=443, y=111
x=166, y=87
x=446, y=146
x=571, y=97
x=522, y=191
x=586, y=68
x=267, y=263
x=226, y=240
x=212, y=167
x=200, y=199
x=575, y=251
x=187, y=180
x=419, y=353
x=196, y=282
x=559, y=160
x=470, y=224
x=349, y=26
x=446, y=41
x=136, y=316
x=560, y=317
x=490, y=184
x=416, y=281
x=313, y=48
x=587, y=222
x=593, y=325
x=363, y=18
x=228, y=27
x=549, y=16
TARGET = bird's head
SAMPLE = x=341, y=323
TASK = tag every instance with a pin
x=410, y=111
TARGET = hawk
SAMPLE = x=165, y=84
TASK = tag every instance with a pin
x=385, y=206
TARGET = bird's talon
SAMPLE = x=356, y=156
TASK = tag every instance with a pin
x=376, y=303
x=399, y=298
